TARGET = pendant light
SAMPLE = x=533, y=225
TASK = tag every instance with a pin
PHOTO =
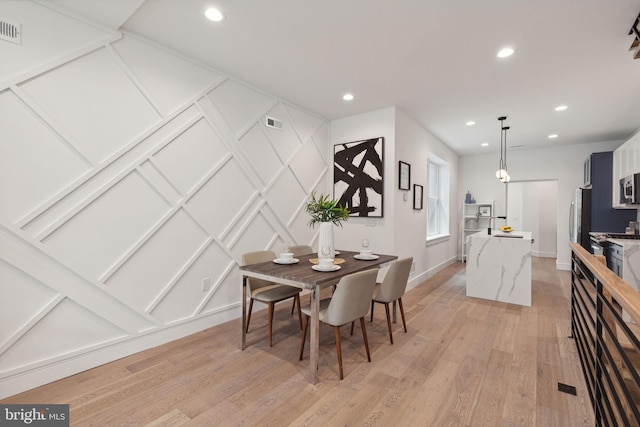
x=502, y=173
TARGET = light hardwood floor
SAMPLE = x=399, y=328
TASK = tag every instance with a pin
x=463, y=362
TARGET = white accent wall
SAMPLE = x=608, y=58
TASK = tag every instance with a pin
x=128, y=174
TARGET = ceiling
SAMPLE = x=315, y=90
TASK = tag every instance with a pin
x=434, y=59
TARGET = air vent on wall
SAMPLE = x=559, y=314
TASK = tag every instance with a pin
x=274, y=123
x=10, y=31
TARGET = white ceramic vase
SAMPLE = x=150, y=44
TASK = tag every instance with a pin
x=325, y=240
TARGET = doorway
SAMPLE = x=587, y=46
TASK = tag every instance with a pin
x=533, y=206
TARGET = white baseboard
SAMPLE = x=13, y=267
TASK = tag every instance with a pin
x=17, y=381
x=416, y=280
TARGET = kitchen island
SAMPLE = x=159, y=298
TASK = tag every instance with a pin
x=499, y=266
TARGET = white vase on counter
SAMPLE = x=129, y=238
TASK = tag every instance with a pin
x=326, y=248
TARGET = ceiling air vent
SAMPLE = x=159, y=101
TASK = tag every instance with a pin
x=10, y=31
x=274, y=123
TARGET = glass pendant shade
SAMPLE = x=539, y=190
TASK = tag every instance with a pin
x=501, y=173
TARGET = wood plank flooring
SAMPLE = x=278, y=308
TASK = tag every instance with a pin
x=463, y=362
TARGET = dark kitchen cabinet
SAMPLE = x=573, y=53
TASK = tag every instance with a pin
x=599, y=174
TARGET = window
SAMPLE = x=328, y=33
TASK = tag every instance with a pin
x=437, y=199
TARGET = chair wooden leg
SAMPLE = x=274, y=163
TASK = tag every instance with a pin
x=386, y=309
x=404, y=323
x=371, y=311
x=364, y=336
x=297, y=298
x=293, y=307
x=304, y=335
x=271, y=305
x=249, y=314
x=336, y=330
x=352, y=323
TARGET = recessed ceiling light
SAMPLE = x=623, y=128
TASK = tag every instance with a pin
x=485, y=144
x=347, y=97
x=470, y=123
x=214, y=14
x=553, y=136
x=507, y=51
x=561, y=108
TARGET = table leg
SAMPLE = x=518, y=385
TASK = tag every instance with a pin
x=244, y=312
x=315, y=334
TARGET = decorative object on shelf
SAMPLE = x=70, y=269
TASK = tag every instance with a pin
x=484, y=211
x=417, y=196
x=502, y=173
x=467, y=198
x=404, y=175
x=358, y=172
x=327, y=213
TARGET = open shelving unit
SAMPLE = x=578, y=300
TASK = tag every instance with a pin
x=475, y=217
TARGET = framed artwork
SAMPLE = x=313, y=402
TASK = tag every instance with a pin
x=404, y=176
x=485, y=210
x=358, y=176
x=417, y=196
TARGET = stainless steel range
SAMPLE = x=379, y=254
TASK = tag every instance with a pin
x=599, y=241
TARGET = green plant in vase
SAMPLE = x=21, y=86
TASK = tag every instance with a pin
x=323, y=209
x=326, y=212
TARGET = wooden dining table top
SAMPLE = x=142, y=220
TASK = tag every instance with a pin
x=302, y=275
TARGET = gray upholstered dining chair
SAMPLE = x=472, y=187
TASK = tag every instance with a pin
x=392, y=288
x=268, y=292
x=298, y=250
x=349, y=302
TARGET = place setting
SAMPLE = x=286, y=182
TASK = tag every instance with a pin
x=326, y=260
x=285, y=257
x=366, y=254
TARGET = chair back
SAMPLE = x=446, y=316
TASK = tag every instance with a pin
x=395, y=282
x=352, y=298
x=298, y=250
x=256, y=257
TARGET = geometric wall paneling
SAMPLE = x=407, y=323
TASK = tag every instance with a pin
x=95, y=102
x=222, y=198
x=198, y=147
x=151, y=173
x=170, y=80
x=308, y=165
x=33, y=295
x=285, y=140
x=304, y=123
x=43, y=47
x=98, y=235
x=256, y=206
x=74, y=328
x=186, y=297
x=150, y=272
x=51, y=212
x=321, y=138
x=285, y=196
x=260, y=153
x=31, y=151
x=239, y=105
x=258, y=234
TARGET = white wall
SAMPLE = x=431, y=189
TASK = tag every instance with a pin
x=402, y=231
x=562, y=164
x=533, y=207
x=129, y=174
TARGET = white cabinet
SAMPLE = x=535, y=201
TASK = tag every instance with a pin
x=626, y=161
x=475, y=217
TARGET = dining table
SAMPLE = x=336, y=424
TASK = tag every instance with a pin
x=300, y=274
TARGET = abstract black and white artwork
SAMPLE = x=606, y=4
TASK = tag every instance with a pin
x=358, y=176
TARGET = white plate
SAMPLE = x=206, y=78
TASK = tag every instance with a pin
x=286, y=261
x=366, y=257
x=332, y=268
